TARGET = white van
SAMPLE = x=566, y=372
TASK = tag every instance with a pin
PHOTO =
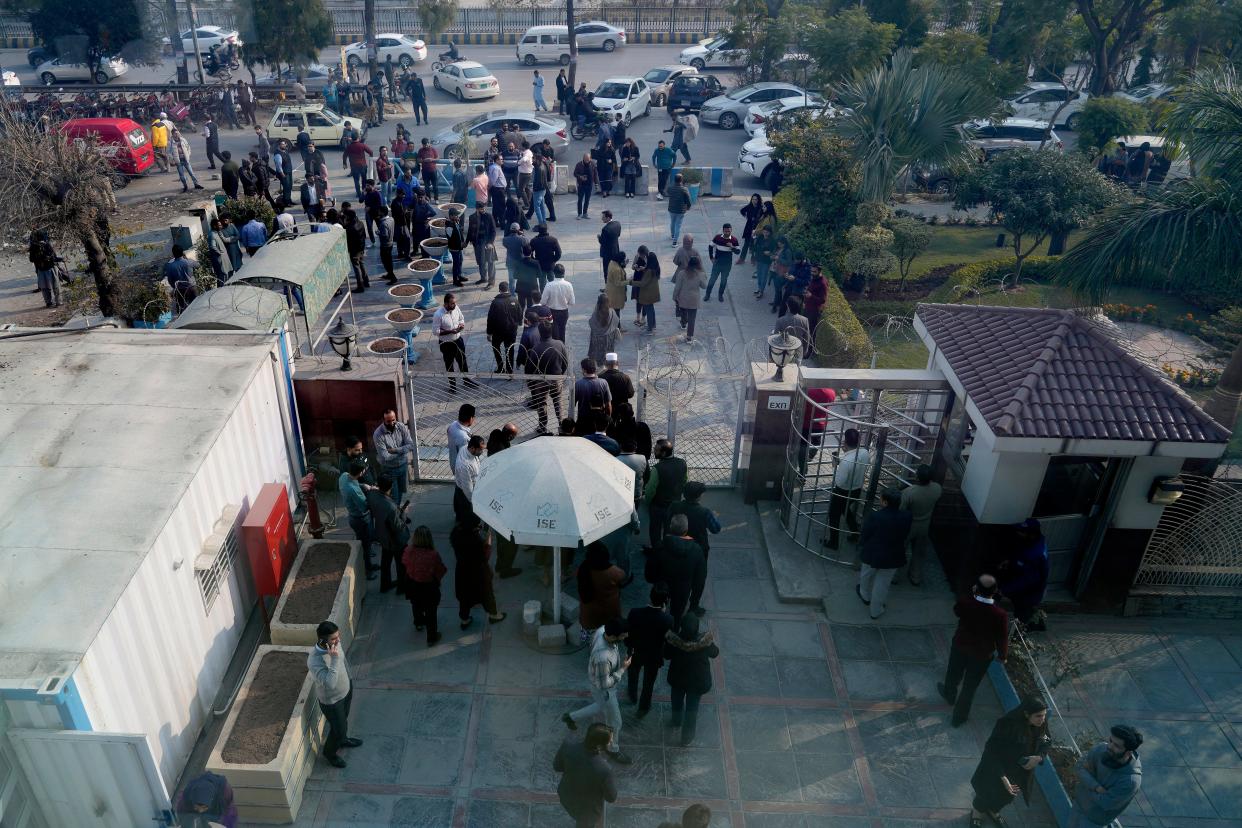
x=544, y=44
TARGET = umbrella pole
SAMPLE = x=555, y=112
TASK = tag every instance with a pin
x=556, y=585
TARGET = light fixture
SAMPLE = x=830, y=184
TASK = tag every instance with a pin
x=1165, y=491
x=783, y=350
x=342, y=338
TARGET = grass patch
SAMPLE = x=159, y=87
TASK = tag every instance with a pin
x=963, y=245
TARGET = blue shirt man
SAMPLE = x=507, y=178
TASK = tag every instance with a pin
x=253, y=235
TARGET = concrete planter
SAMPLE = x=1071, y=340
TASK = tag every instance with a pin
x=346, y=607
x=272, y=792
x=1045, y=775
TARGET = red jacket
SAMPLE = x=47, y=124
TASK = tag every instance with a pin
x=815, y=296
x=357, y=153
x=981, y=629
x=423, y=565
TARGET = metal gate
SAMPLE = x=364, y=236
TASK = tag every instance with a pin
x=107, y=780
x=1198, y=542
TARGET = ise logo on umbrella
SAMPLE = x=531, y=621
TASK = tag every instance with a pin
x=545, y=515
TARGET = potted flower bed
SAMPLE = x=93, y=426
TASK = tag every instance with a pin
x=439, y=227
x=325, y=584
x=387, y=346
x=429, y=272
x=269, y=741
x=404, y=319
x=453, y=205
x=435, y=248
x=407, y=296
x=692, y=177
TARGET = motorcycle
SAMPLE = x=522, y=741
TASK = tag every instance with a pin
x=590, y=129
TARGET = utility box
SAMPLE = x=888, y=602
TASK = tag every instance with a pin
x=271, y=545
x=775, y=402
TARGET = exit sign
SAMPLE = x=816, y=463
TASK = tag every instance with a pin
x=779, y=403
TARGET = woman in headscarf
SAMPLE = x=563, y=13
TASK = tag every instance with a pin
x=605, y=327
x=1018, y=744
x=606, y=167
x=472, y=578
x=599, y=588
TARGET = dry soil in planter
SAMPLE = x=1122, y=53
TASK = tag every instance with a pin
x=406, y=290
x=423, y=265
x=405, y=315
x=313, y=592
x=387, y=345
x=268, y=706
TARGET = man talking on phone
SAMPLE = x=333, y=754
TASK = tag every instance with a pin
x=327, y=664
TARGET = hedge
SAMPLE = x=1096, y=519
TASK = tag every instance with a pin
x=842, y=342
x=971, y=277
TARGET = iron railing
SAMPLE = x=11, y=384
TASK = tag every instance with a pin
x=1198, y=541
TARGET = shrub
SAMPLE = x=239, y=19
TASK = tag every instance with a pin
x=691, y=175
x=867, y=310
x=840, y=339
x=1103, y=120
x=786, y=204
x=238, y=210
x=970, y=278
x=142, y=298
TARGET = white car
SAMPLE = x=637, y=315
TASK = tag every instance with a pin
x=596, y=34
x=727, y=111
x=660, y=80
x=628, y=97
x=713, y=52
x=467, y=79
x=52, y=72
x=1040, y=101
x=755, y=158
x=1146, y=93
x=405, y=50
x=208, y=36
x=758, y=115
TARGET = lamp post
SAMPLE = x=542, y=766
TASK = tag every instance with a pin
x=783, y=350
x=342, y=338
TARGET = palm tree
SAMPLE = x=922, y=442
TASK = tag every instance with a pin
x=902, y=114
x=1186, y=232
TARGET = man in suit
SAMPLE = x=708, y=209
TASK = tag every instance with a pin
x=587, y=782
x=481, y=233
x=609, y=240
x=681, y=565
x=390, y=530
x=646, y=642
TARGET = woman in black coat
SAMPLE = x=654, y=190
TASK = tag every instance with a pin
x=631, y=166
x=751, y=212
x=472, y=577
x=689, y=658
x=1018, y=744
x=606, y=167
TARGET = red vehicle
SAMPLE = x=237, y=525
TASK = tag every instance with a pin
x=123, y=141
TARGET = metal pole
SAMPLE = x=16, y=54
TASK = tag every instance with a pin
x=556, y=585
x=198, y=56
x=409, y=393
x=880, y=442
x=173, y=27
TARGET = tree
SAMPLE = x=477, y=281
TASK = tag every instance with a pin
x=1035, y=194
x=285, y=32
x=1114, y=27
x=70, y=196
x=1104, y=119
x=845, y=42
x=437, y=16
x=910, y=238
x=967, y=52
x=1186, y=232
x=819, y=167
x=573, y=45
x=91, y=32
x=911, y=17
x=1223, y=331
x=902, y=113
x=1030, y=32
x=870, y=246
x=761, y=32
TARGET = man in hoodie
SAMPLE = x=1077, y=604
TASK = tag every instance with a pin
x=605, y=670
x=703, y=521
x=1109, y=776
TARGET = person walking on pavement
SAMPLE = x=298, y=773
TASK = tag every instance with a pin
x=427, y=157
x=473, y=576
x=586, y=781
x=599, y=587
x=688, y=284
x=504, y=317
x=605, y=670
x=386, y=230
x=631, y=166
x=43, y=256
x=609, y=241
x=647, y=626
x=689, y=655
x=1109, y=777
x=538, y=207
x=211, y=137
x=585, y=179
x=481, y=235
x=752, y=212
x=516, y=249
x=813, y=304
x=702, y=520
x=537, y=87
x=1018, y=744
x=562, y=92
x=847, y=484
x=882, y=551
x=547, y=250
x=680, y=564
x=246, y=100
x=424, y=570
x=982, y=633
x=664, y=487
x=723, y=248
x=678, y=206
x=449, y=324
x=418, y=100
x=181, y=153
x=391, y=530
x=684, y=128
x=395, y=448
x=328, y=667
x=663, y=159
x=356, y=154
x=920, y=501
x=159, y=144
x=356, y=245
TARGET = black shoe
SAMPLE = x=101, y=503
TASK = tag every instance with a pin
x=620, y=758
x=198, y=186
x=387, y=587
x=569, y=721
x=496, y=619
x=335, y=761
x=831, y=543
x=432, y=640
x=944, y=693
x=641, y=713
x=465, y=624
x=352, y=742
x=418, y=628
x=858, y=592
x=957, y=722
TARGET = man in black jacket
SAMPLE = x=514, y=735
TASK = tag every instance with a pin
x=587, y=782
x=503, y=318
x=356, y=243
x=681, y=565
x=702, y=520
x=609, y=240
x=883, y=550
x=390, y=530
x=547, y=252
x=646, y=642
x=549, y=358
x=664, y=487
x=481, y=234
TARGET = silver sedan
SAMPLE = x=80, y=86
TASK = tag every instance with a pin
x=535, y=126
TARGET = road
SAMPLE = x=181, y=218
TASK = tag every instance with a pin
x=712, y=148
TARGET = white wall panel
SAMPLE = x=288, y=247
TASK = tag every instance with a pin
x=158, y=661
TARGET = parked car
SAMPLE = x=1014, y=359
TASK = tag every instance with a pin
x=52, y=72
x=1169, y=161
x=467, y=79
x=314, y=77
x=1040, y=100
x=536, y=126
x=758, y=116
x=122, y=141
x=544, y=43
x=404, y=49
x=690, y=92
x=755, y=158
x=1147, y=93
x=37, y=55
x=728, y=110
x=324, y=126
x=1025, y=132
x=596, y=34
x=628, y=97
x=662, y=78
x=208, y=36
x=715, y=52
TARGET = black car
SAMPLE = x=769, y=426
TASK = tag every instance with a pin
x=38, y=55
x=690, y=92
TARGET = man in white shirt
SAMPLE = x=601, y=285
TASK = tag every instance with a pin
x=847, y=485
x=465, y=475
x=459, y=433
x=448, y=324
x=526, y=166
x=285, y=222
x=558, y=296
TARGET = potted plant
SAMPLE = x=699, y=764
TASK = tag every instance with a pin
x=692, y=177
x=144, y=302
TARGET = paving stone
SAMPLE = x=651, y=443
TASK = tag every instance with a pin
x=736, y=595
x=746, y=638
x=1203, y=745
x=431, y=761
x=941, y=739
x=378, y=760
x=909, y=644
x=1167, y=690
x=759, y=728
x=901, y=780
x=1206, y=653
x=508, y=717
x=871, y=681
x=1174, y=792
x=768, y=777
x=817, y=731
x=768, y=820
x=359, y=809
x=951, y=780
x=439, y=714
x=858, y=642
x=624, y=816
x=796, y=638
x=1225, y=689
x=380, y=711
x=695, y=773
x=805, y=678
x=918, y=681
x=421, y=812
x=828, y=778
x=731, y=562
x=750, y=675
x=1222, y=790
x=503, y=764
x=645, y=777
x=512, y=667
x=492, y=813
x=1113, y=688
x=563, y=672
x=885, y=732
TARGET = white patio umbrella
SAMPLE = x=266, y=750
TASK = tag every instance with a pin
x=554, y=491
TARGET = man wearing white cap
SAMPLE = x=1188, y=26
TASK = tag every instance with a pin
x=558, y=296
x=622, y=386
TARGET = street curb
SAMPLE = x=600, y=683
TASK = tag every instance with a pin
x=1045, y=774
x=511, y=39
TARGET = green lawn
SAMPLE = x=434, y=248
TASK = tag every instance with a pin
x=962, y=245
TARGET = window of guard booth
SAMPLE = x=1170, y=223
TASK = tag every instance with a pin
x=1071, y=486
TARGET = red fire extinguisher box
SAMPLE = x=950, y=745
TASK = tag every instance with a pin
x=270, y=542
